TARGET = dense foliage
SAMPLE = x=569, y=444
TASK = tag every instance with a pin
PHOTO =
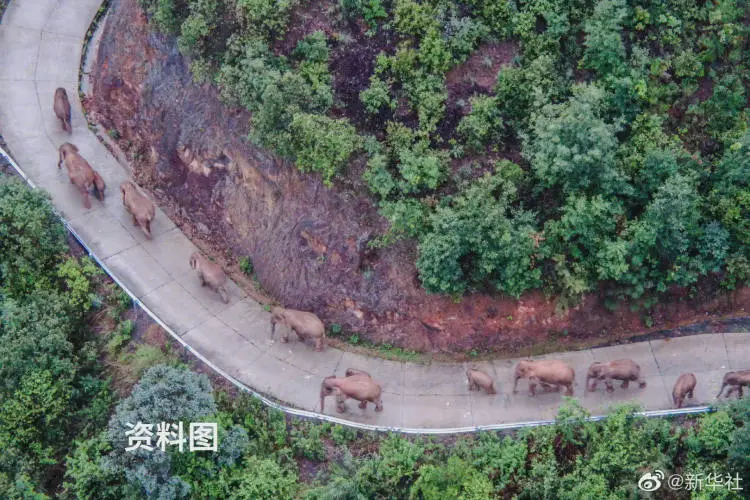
x=627, y=119
x=51, y=388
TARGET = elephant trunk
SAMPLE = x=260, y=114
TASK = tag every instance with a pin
x=515, y=383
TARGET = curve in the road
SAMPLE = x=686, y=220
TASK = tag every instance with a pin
x=42, y=42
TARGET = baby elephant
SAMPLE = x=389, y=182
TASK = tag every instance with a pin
x=736, y=380
x=80, y=172
x=479, y=379
x=626, y=370
x=683, y=388
x=551, y=374
x=359, y=386
x=305, y=324
x=211, y=274
x=140, y=207
x=62, y=109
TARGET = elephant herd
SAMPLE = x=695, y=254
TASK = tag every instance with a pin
x=141, y=209
x=551, y=375
x=554, y=374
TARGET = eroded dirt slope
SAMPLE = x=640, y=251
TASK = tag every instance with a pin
x=309, y=243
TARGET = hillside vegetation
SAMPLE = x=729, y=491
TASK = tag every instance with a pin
x=570, y=146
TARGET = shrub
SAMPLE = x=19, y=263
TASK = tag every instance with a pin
x=434, y=54
x=164, y=394
x=370, y=10
x=478, y=239
x=378, y=178
x=605, y=52
x=455, y=479
x=265, y=18
x=167, y=15
x=246, y=266
x=572, y=146
x=33, y=239
x=428, y=94
x=730, y=196
x=407, y=219
x=197, y=29
x=322, y=144
x=313, y=48
x=483, y=125
x=377, y=96
x=413, y=18
x=462, y=35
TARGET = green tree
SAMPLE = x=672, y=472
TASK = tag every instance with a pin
x=483, y=126
x=265, y=18
x=32, y=239
x=164, y=394
x=729, y=199
x=454, y=480
x=605, y=52
x=573, y=147
x=322, y=144
x=479, y=239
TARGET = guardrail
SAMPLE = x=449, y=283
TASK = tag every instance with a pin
x=319, y=416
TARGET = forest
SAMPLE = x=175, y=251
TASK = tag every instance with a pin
x=74, y=375
x=570, y=146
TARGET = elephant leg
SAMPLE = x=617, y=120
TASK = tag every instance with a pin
x=690, y=394
x=378, y=404
x=625, y=384
x=739, y=392
x=610, y=387
x=135, y=220
x=86, y=199
x=203, y=280
x=594, y=383
x=569, y=391
x=363, y=404
x=340, y=398
x=641, y=383
x=532, y=385
x=729, y=392
x=319, y=344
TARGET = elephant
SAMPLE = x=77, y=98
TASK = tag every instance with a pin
x=351, y=372
x=141, y=208
x=479, y=379
x=626, y=370
x=683, y=388
x=211, y=274
x=736, y=380
x=305, y=324
x=551, y=374
x=357, y=386
x=80, y=172
x=62, y=109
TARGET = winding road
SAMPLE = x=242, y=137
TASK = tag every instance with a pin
x=40, y=50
